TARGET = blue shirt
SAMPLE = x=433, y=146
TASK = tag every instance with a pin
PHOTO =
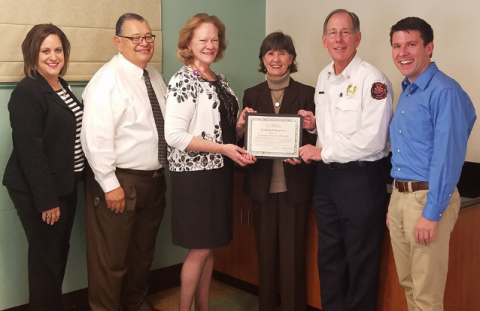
x=429, y=133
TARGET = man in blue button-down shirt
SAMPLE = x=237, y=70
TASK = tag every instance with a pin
x=429, y=134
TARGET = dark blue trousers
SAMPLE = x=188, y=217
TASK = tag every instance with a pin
x=350, y=209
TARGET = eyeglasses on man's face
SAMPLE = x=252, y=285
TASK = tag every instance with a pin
x=343, y=33
x=139, y=39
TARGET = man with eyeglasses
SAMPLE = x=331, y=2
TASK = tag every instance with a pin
x=429, y=132
x=353, y=110
x=122, y=136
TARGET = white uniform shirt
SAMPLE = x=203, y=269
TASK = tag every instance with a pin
x=118, y=127
x=352, y=127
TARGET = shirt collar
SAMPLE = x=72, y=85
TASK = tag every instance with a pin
x=423, y=79
x=348, y=72
x=352, y=67
x=136, y=71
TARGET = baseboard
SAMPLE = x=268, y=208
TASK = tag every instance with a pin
x=158, y=280
x=234, y=282
x=164, y=278
x=245, y=286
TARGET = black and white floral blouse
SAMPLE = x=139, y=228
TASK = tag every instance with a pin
x=192, y=110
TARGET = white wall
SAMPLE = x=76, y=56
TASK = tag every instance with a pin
x=456, y=27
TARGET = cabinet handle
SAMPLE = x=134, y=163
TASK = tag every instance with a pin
x=248, y=215
x=241, y=216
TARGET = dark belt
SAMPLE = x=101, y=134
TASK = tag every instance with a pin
x=152, y=174
x=344, y=166
x=402, y=186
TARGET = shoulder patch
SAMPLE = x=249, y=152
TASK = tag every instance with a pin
x=379, y=91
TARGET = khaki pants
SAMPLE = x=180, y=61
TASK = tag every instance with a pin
x=422, y=269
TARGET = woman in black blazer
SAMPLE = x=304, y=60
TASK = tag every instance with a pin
x=46, y=162
x=280, y=191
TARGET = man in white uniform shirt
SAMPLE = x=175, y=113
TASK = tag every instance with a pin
x=122, y=136
x=353, y=110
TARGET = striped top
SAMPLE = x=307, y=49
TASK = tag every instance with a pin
x=79, y=157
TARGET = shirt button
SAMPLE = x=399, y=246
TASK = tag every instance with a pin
x=400, y=131
x=408, y=94
x=398, y=169
x=403, y=111
x=440, y=215
x=449, y=195
x=398, y=150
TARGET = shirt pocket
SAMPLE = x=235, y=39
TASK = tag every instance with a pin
x=346, y=116
x=124, y=110
x=419, y=126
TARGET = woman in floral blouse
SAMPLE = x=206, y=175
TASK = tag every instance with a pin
x=200, y=129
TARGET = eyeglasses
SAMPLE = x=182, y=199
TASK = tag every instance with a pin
x=343, y=33
x=138, y=40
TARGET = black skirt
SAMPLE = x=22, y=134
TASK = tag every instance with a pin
x=202, y=207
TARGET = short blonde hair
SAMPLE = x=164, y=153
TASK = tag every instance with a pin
x=183, y=53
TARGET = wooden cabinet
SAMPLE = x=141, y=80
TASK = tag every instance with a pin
x=239, y=259
x=462, y=290
x=313, y=285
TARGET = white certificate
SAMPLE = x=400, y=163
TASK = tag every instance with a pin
x=273, y=136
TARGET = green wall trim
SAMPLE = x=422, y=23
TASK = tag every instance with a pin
x=8, y=85
x=11, y=85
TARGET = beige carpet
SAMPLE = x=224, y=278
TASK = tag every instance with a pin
x=222, y=298
x=238, y=301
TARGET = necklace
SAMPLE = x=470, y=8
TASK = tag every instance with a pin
x=64, y=93
x=277, y=100
x=198, y=72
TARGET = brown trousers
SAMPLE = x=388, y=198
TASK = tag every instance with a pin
x=120, y=246
x=280, y=232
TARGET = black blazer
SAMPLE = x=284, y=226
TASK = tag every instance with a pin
x=299, y=178
x=43, y=132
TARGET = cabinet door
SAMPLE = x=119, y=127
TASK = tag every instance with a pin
x=251, y=248
x=239, y=259
x=313, y=284
x=233, y=258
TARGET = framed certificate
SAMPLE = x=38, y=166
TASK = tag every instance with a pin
x=273, y=136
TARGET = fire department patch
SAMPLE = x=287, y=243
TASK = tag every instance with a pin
x=379, y=90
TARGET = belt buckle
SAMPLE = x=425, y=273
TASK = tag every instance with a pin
x=156, y=174
x=405, y=186
x=400, y=185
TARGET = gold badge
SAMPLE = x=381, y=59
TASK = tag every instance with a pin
x=351, y=89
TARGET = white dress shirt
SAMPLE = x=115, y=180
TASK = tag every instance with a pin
x=118, y=126
x=352, y=127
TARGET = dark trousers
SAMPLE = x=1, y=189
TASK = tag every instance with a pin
x=280, y=231
x=120, y=246
x=48, y=247
x=350, y=209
